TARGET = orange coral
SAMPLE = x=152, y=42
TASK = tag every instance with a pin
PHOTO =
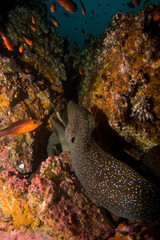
x=15, y=207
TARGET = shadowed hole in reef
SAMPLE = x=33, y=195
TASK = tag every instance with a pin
x=40, y=145
x=20, y=96
x=110, y=141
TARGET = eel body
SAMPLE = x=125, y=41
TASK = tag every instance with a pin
x=113, y=184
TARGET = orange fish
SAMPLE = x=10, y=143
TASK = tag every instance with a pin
x=55, y=22
x=7, y=42
x=83, y=9
x=34, y=29
x=53, y=7
x=33, y=19
x=136, y=2
x=69, y=5
x=66, y=15
x=27, y=69
x=21, y=48
x=156, y=16
x=82, y=31
x=27, y=40
x=80, y=72
x=21, y=126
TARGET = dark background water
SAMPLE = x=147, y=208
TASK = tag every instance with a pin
x=103, y=10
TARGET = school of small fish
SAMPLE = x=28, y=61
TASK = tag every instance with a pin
x=24, y=126
x=71, y=7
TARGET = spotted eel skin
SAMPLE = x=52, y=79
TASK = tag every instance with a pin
x=113, y=184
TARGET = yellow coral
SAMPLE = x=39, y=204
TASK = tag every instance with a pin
x=15, y=207
x=3, y=101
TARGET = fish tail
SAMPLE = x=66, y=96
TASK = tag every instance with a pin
x=2, y=34
x=2, y=133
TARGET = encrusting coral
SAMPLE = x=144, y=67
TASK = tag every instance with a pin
x=42, y=198
x=23, y=97
x=55, y=206
x=124, y=84
x=46, y=53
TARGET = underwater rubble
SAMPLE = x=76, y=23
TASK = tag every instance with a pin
x=40, y=196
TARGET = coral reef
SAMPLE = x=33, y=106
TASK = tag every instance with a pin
x=23, y=97
x=42, y=198
x=46, y=52
x=63, y=206
x=53, y=204
x=121, y=77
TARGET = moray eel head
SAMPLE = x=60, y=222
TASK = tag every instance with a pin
x=80, y=124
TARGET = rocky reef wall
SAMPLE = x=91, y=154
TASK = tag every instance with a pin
x=116, y=77
x=121, y=77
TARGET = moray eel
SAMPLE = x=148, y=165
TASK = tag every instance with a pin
x=57, y=138
x=151, y=161
x=113, y=184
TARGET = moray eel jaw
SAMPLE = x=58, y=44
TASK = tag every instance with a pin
x=113, y=184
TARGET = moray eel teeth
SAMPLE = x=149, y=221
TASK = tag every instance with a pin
x=113, y=184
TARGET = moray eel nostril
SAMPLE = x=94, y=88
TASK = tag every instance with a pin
x=113, y=184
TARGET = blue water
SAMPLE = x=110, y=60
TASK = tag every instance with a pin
x=96, y=22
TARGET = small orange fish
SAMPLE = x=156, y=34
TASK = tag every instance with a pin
x=27, y=69
x=53, y=7
x=83, y=9
x=34, y=29
x=69, y=5
x=82, y=31
x=156, y=16
x=80, y=72
x=33, y=19
x=21, y=126
x=66, y=15
x=136, y=2
x=21, y=48
x=27, y=40
x=55, y=22
x=7, y=41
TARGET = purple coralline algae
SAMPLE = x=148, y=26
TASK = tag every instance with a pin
x=54, y=204
x=41, y=198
